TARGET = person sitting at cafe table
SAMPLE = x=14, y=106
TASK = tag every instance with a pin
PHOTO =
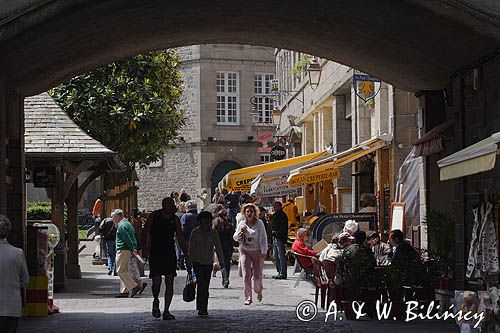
x=403, y=251
x=333, y=251
x=350, y=226
x=299, y=246
x=380, y=250
x=359, y=247
x=359, y=261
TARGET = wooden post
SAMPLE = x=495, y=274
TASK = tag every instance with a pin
x=58, y=220
x=73, y=268
x=15, y=182
x=3, y=149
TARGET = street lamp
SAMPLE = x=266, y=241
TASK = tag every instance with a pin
x=314, y=72
x=276, y=116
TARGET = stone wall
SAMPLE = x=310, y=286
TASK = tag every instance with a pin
x=190, y=103
x=185, y=166
x=180, y=169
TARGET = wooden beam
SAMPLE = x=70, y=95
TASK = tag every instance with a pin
x=71, y=177
x=89, y=180
x=72, y=267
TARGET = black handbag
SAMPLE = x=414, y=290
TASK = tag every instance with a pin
x=189, y=292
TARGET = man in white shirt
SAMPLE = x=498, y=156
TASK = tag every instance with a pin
x=14, y=278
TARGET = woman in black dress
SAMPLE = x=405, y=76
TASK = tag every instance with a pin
x=159, y=232
x=224, y=228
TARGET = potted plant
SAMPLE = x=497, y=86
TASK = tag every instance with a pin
x=441, y=235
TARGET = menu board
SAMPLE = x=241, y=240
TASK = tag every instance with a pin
x=397, y=216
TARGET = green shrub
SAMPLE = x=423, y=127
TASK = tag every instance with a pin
x=41, y=210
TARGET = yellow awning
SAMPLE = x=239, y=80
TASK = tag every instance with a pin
x=323, y=170
x=241, y=179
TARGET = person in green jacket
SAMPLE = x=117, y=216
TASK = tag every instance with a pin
x=126, y=247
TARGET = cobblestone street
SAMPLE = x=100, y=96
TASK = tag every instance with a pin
x=89, y=306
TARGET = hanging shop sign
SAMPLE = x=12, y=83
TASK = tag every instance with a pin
x=44, y=176
x=312, y=178
x=278, y=153
x=273, y=188
x=366, y=86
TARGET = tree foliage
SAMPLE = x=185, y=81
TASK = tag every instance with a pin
x=131, y=106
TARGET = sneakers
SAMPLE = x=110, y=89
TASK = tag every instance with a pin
x=248, y=302
x=110, y=272
x=225, y=284
x=259, y=297
x=134, y=291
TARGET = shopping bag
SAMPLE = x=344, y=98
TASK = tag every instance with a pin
x=188, y=295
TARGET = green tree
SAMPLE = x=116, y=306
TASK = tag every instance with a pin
x=131, y=106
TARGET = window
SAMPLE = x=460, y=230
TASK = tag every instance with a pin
x=265, y=105
x=228, y=103
x=157, y=164
x=265, y=158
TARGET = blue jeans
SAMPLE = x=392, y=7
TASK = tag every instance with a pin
x=279, y=257
x=227, y=267
x=111, y=246
x=232, y=212
x=179, y=255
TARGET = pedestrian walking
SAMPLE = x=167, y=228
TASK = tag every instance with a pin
x=175, y=196
x=204, y=199
x=280, y=235
x=189, y=222
x=107, y=229
x=14, y=280
x=126, y=247
x=184, y=197
x=181, y=210
x=218, y=197
x=225, y=230
x=251, y=234
x=233, y=204
x=201, y=247
x=159, y=232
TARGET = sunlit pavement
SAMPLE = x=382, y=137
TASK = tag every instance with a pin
x=89, y=306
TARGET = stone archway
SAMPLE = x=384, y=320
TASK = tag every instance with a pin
x=220, y=170
x=412, y=44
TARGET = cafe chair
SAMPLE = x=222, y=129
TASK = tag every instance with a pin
x=304, y=275
x=332, y=269
x=321, y=282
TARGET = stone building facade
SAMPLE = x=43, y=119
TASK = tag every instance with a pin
x=220, y=133
x=331, y=116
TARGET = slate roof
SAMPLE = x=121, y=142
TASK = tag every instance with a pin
x=50, y=132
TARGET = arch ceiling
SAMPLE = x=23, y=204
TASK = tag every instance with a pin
x=413, y=44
